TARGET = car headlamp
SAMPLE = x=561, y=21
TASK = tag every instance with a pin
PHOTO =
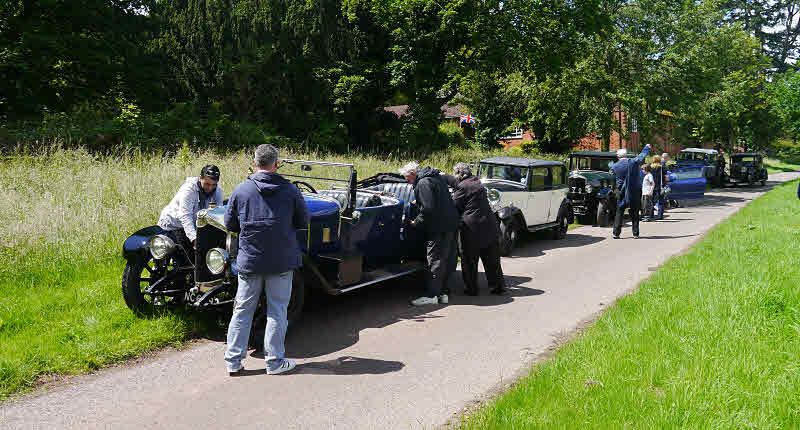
x=589, y=188
x=494, y=196
x=161, y=246
x=202, y=218
x=216, y=260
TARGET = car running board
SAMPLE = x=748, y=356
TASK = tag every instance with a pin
x=384, y=274
x=533, y=228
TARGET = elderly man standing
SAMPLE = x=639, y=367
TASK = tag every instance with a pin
x=629, y=184
x=266, y=210
x=438, y=219
x=479, y=231
x=178, y=218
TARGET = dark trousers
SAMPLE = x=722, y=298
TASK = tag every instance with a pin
x=490, y=256
x=634, y=211
x=442, y=260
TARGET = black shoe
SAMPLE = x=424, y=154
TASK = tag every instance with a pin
x=470, y=292
x=615, y=236
x=498, y=291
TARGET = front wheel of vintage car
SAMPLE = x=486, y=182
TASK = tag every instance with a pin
x=509, y=234
x=140, y=274
x=602, y=214
x=560, y=230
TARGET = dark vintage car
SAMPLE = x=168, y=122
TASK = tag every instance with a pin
x=526, y=195
x=592, y=186
x=357, y=236
x=747, y=168
x=712, y=162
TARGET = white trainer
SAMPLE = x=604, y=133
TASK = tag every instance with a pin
x=422, y=301
x=286, y=366
x=443, y=299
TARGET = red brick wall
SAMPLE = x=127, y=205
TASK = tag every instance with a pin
x=527, y=135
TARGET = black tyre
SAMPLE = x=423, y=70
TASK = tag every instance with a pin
x=586, y=219
x=560, y=231
x=603, y=214
x=509, y=235
x=137, y=276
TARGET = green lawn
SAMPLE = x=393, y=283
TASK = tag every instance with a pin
x=711, y=340
x=777, y=165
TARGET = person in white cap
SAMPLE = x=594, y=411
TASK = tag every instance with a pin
x=629, y=184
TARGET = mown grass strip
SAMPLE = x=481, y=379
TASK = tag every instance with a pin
x=711, y=340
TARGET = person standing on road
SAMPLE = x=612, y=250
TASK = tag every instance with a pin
x=266, y=210
x=438, y=219
x=648, y=186
x=629, y=184
x=658, y=180
x=665, y=157
x=179, y=217
x=479, y=231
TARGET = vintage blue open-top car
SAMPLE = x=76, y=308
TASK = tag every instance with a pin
x=358, y=236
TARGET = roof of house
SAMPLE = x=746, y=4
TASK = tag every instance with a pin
x=521, y=162
x=595, y=154
x=700, y=150
x=449, y=111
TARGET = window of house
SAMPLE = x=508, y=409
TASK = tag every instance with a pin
x=516, y=134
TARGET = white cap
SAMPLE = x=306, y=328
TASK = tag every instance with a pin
x=622, y=153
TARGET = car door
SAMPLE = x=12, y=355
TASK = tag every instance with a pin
x=558, y=191
x=539, y=196
x=688, y=183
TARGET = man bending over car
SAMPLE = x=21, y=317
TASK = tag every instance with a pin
x=180, y=215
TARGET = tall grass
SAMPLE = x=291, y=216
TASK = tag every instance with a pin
x=65, y=216
x=711, y=340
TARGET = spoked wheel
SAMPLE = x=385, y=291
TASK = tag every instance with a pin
x=509, y=235
x=560, y=230
x=139, y=275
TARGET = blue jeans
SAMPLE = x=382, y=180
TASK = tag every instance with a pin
x=278, y=289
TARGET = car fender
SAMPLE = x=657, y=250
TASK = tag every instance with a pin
x=135, y=245
x=509, y=212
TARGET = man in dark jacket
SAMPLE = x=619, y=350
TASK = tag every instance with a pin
x=629, y=184
x=438, y=219
x=479, y=231
x=266, y=210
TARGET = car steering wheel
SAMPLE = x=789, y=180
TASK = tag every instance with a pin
x=306, y=185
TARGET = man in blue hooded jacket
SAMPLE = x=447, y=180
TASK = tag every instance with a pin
x=266, y=210
x=629, y=184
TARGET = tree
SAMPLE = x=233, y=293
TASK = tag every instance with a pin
x=774, y=23
x=59, y=54
x=785, y=95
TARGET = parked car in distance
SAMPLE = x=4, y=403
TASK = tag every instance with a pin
x=747, y=168
x=592, y=186
x=687, y=183
x=526, y=195
x=711, y=160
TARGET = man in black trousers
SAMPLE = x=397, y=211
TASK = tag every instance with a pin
x=479, y=231
x=438, y=220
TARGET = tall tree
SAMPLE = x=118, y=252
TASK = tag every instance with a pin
x=775, y=23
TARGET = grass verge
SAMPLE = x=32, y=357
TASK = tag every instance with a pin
x=61, y=308
x=711, y=340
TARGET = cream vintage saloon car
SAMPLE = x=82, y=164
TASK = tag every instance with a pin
x=526, y=195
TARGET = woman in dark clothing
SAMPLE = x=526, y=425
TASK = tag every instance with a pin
x=479, y=231
x=658, y=179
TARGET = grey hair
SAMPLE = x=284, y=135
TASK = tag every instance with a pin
x=664, y=155
x=461, y=171
x=622, y=153
x=411, y=167
x=265, y=156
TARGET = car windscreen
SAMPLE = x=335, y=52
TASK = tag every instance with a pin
x=509, y=173
x=744, y=160
x=689, y=173
x=691, y=156
x=592, y=163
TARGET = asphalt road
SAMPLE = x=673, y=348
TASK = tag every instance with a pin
x=369, y=360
